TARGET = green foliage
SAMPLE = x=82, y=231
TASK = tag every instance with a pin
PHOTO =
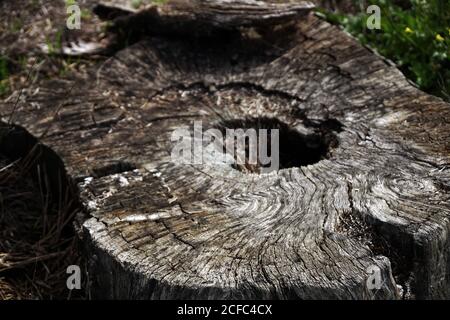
x=4, y=74
x=136, y=4
x=86, y=14
x=16, y=25
x=54, y=44
x=416, y=38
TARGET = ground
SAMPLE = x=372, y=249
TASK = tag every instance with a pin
x=33, y=252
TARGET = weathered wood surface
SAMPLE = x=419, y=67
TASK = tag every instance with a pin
x=199, y=17
x=160, y=230
x=222, y=14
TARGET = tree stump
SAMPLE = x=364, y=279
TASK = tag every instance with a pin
x=363, y=184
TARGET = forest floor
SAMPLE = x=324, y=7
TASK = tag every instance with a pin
x=35, y=246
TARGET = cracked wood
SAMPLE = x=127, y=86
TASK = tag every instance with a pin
x=159, y=230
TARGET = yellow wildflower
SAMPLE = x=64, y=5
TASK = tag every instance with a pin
x=439, y=37
x=408, y=30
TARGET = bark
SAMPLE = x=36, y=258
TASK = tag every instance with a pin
x=198, y=18
x=365, y=179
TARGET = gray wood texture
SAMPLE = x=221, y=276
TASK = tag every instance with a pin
x=154, y=229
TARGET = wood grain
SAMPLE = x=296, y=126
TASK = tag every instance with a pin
x=160, y=230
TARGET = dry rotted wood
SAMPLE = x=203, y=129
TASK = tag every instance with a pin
x=198, y=17
x=379, y=196
x=221, y=14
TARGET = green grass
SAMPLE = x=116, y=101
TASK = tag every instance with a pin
x=4, y=74
x=86, y=14
x=136, y=4
x=54, y=44
x=416, y=38
x=16, y=25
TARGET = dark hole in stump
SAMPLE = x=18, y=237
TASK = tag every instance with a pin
x=296, y=149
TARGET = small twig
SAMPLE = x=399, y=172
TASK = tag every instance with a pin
x=8, y=166
x=19, y=264
x=20, y=94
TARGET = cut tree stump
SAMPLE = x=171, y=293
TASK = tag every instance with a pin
x=364, y=184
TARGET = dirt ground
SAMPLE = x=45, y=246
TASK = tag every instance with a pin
x=37, y=241
x=31, y=36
